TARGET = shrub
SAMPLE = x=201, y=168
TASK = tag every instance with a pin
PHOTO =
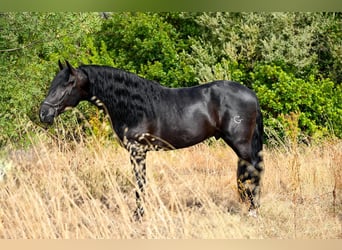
x=316, y=100
x=146, y=44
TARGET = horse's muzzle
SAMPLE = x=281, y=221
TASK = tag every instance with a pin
x=47, y=113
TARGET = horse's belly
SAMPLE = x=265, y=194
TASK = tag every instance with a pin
x=185, y=135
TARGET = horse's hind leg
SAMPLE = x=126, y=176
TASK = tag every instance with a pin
x=248, y=181
x=249, y=172
x=248, y=147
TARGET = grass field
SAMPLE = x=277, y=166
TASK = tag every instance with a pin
x=86, y=190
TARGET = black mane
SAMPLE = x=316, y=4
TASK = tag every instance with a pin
x=127, y=97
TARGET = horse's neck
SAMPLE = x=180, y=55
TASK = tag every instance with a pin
x=117, y=100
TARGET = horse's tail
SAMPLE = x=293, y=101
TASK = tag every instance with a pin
x=257, y=145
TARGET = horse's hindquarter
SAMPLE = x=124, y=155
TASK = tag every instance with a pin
x=238, y=105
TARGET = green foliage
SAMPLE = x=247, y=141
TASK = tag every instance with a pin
x=303, y=43
x=292, y=61
x=146, y=44
x=31, y=44
x=318, y=101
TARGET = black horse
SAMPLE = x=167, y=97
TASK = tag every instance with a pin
x=147, y=116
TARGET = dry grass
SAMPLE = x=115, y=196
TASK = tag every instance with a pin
x=85, y=190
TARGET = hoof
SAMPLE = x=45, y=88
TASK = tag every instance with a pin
x=253, y=213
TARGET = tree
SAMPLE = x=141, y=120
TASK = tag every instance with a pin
x=145, y=43
x=31, y=44
x=301, y=43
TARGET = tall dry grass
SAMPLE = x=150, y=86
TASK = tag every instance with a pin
x=85, y=189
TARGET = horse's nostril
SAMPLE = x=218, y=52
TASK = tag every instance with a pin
x=42, y=115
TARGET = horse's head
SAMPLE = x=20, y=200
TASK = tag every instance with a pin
x=68, y=88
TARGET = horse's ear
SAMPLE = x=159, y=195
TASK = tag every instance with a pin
x=71, y=69
x=60, y=65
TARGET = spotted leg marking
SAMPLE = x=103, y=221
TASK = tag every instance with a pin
x=248, y=178
x=138, y=160
x=138, y=146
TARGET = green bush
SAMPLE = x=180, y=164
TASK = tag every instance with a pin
x=146, y=44
x=318, y=101
x=303, y=43
x=31, y=44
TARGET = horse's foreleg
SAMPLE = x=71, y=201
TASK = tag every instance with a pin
x=138, y=161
